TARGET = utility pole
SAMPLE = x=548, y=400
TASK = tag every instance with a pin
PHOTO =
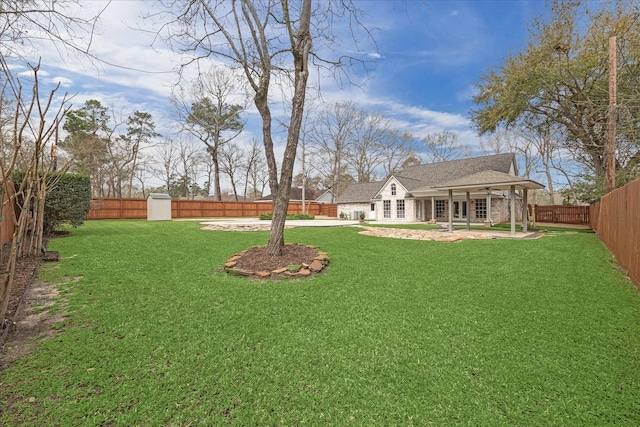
x=611, y=124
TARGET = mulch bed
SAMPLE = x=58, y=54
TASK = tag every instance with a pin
x=296, y=261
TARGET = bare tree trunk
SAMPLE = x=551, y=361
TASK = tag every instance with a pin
x=301, y=46
x=610, y=177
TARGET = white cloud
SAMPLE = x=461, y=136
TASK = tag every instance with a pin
x=63, y=81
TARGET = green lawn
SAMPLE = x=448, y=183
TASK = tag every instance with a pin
x=395, y=333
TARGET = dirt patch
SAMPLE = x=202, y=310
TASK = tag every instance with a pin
x=32, y=321
x=28, y=317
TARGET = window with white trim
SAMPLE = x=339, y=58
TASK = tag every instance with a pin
x=440, y=208
x=481, y=208
x=386, y=208
x=393, y=189
x=399, y=208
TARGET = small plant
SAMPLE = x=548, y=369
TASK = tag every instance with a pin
x=342, y=215
x=361, y=216
x=293, y=267
x=269, y=217
x=300, y=216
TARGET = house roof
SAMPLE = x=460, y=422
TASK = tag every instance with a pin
x=362, y=192
x=431, y=176
x=485, y=179
x=409, y=183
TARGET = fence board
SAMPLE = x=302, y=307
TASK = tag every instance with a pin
x=616, y=220
x=562, y=214
x=113, y=208
x=7, y=227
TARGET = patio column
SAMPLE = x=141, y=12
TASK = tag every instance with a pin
x=433, y=208
x=468, y=212
x=525, y=211
x=489, y=205
x=512, y=198
x=450, y=211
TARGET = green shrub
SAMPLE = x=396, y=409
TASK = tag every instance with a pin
x=269, y=217
x=68, y=199
x=301, y=216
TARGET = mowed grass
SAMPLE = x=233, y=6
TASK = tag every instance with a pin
x=396, y=332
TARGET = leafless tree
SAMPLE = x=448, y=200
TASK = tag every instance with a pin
x=32, y=128
x=255, y=169
x=304, y=152
x=443, y=146
x=331, y=139
x=190, y=159
x=267, y=40
x=211, y=111
x=367, y=151
x=398, y=149
x=23, y=23
x=498, y=142
x=33, y=122
x=231, y=160
x=165, y=162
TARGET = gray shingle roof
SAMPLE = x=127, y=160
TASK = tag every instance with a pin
x=358, y=193
x=490, y=177
x=409, y=183
x=432, y=174
x=436, y=173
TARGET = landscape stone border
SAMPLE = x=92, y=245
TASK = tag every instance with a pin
x=317, y=265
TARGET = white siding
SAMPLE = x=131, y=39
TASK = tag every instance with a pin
x=385, y=194
x=349, y=209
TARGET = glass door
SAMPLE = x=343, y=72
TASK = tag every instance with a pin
x=460, y=209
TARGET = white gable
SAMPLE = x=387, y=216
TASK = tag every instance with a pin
x=386, y=192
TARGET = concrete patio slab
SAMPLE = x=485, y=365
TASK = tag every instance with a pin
x=441, y=235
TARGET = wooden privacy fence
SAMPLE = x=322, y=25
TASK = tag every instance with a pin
x=562, y=214
x=616, y=219
x=7, y=227
x=115, y=208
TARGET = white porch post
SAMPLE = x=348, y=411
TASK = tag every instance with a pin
x=512, y=198
x=450, y=211
x=433, y=208
x=525, y=211
x=468, y=212
x=489, y=205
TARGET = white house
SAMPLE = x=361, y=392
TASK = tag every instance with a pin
x=478, y=189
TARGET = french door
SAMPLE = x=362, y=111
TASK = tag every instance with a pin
x=460, y=209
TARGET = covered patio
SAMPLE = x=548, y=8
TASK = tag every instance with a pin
x=485, y=181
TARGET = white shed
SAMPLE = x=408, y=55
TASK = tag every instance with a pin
x=158, y=207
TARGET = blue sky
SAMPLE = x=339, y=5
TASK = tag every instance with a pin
x=430, y=54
